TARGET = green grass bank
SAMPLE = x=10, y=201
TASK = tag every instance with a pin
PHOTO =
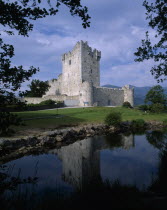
x=48, y=119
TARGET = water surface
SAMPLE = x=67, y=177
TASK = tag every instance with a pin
x=132, y=160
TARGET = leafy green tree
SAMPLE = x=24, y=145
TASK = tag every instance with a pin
x=17, y=17
x=156, y=95
x=37, y=88
x=156, y=14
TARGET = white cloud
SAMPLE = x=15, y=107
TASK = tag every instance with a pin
x=117, y=28
x=137, y=74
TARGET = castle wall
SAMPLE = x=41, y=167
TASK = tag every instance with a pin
x=36, y=100
x=90, y=65
x=71, y=77
x=32, y=100
x=55, y=86
x=108, y=96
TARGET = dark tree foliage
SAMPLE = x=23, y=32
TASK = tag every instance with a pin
x=17, y=16
x=156, y=14
x=156, y=95
x=159, y=140
x=37, y=88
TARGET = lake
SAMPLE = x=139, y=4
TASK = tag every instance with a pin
x=128, y=160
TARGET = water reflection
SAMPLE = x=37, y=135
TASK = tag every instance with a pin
x=81, y=161
x=131, y=159
x=157, y=138
x=139, y=160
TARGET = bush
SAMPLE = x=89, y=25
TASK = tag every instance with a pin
x=144, y=107
x=138, y=124
x=6, y=120
x=47, y=102
x=60, y=104
x=33, y=105
x=165, y=122
x=114, y=119
x=126, y=104
x=157, y=108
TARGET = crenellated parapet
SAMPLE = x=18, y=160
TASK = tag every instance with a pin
x=71, y=53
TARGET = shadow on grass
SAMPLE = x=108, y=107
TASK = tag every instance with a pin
x=46, y=123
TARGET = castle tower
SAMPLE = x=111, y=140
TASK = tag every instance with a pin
x=80, y=65
x=71, y=71
x=90, y=64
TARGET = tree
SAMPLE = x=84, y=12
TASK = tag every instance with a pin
x=17, y=17
x=157, y=16
x=156, y=95
x=37, y=88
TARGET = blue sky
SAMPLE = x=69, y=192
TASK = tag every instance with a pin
x=117, y=27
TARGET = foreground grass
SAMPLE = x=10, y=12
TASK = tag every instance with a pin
x=77, y=116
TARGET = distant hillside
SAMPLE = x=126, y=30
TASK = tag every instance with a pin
x=139, y=93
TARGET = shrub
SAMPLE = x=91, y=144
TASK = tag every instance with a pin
x=47, y=102
x=33, y=105
x=6, y=120
x=60, y=104
x=138, y=124
x=165, y=122
x=113, y=118
x=126, y=104
x=144, y=107
x=157, y=108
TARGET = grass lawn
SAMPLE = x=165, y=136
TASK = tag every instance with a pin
x=77, y=116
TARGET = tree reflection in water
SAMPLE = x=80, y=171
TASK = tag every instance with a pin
x=13, y=191
x=159, y=140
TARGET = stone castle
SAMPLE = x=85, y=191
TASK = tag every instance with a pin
x=79, y=83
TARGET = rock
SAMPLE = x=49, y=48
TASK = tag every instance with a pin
x=52, y=133
x=59, y=138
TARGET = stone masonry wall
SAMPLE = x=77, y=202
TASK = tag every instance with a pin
x=108, y=96
x=90, y=66
x=71, y=77
x=55, y=86
x=32, y=100
x=36, y=100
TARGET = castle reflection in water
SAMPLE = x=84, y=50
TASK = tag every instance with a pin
x=81, y=160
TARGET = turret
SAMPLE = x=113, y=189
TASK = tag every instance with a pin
x=128, y=94
x=86, y=94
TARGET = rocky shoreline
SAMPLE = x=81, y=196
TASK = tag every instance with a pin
x=14, y=148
